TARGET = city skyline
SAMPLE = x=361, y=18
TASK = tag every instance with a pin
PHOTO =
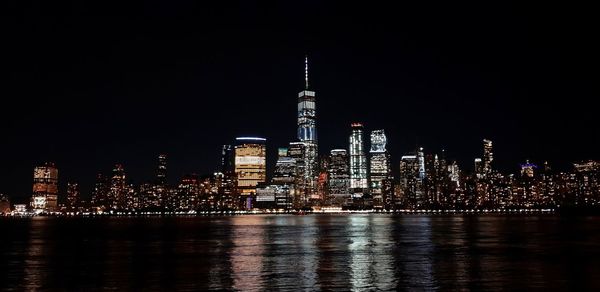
x=86, y=94
x=361, y=140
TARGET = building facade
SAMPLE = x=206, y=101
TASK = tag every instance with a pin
x=45, y=188
x=380, y=171
x=358, y=162
x=250, y=167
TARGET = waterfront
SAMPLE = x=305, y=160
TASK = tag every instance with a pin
x=313, y=252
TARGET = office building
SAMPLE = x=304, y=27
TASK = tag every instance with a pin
x=45, y=188
x=380, y=170
x=358, y=162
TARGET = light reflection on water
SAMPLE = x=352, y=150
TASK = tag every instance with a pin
x=314, y=252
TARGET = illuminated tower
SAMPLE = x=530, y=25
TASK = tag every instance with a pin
x=45, y=188
x=358, y=162
x=421, y=159
x=72, y=196
x=100, y=194
x=250, y=166
x=488, y=157
x=380, y=170
x=227, y=169
x=339, y=173
x=161, y=174
x=307, y=134
x=118, y=188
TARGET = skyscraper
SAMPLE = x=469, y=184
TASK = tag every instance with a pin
x=380, y=171
x=100, y=194
x=301, y=192
x=307, y=134
x=285, y=169
x=45, y=188
x=488, y=157
x=72, y=196
x=478, y=164
x=411, y=183
x=421, y=158
x=339, y=173
x=250, y=166
x=118, y=188
x=161, y=174
x=227, y=186
x=358, y=162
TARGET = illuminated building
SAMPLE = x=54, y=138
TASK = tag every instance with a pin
x=301, y=193
x=323, y=181
x=307, y=134
x=587, y=179
x=250, y=166
x=421, y=159
x=410, y=180
x=285, y=168
x=380, y=170
x=45, y=188
x=118, y=188
x=488, y=157
x=273, y=196
x=100, y=194
x=358, y=162
x=72, y=196
x=4, y=204
x=478, y=165
x=339, y=173
x=188, y=193
x=227, y=185
x=20, y=208
x=527, y=169
x=161, y=174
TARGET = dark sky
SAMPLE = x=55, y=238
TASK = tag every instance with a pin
x=90, y=84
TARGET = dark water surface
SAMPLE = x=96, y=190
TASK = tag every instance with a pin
x=314, y=252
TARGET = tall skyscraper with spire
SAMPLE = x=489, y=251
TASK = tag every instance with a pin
x=307, y=134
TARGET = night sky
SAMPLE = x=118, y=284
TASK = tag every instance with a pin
x=88, y=85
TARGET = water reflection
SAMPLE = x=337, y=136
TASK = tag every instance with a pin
x=414, y=252
x=290, y=253
x=371, y=250
x=247, y=251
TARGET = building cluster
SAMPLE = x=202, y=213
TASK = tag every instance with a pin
x=359, y=177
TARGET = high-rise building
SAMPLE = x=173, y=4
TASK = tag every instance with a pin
x=101, y=193
x=478, y=165
x=118, y=188
x=339, y=173
x=302, y=186
x=285, y=169
x=307, y=134
x=488, y=157
x=72, y=196
x=45, y=188
x=380, y=171
x=411, y=183
x=358, y=162
x=323, y=181
x=188, y=193
x=528, y=169
x=227, y=185
x=250, y=166
x=421, y=159
x=161, y=174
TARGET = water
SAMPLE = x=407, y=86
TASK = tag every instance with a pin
x=313, y=252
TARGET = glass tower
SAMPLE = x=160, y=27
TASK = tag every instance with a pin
x=358, y=161
x=307, y=134
x=380, y=170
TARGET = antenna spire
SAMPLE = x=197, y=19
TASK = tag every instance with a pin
x=306, y=72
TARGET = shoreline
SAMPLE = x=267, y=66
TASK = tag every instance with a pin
x=549, y=211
